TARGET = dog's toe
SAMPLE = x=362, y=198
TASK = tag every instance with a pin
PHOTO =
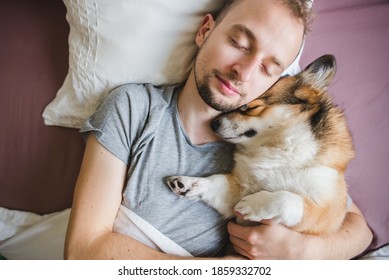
x=176, y=185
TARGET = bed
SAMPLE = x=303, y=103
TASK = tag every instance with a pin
x=52, y=53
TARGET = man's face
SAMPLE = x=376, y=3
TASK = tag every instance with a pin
x=243, y=55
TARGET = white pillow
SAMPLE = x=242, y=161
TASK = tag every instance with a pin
x=124, y=41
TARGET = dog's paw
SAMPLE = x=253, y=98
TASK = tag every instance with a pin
x=283, y=207
x=185, y=186
x=177, y=184
x=256, y=207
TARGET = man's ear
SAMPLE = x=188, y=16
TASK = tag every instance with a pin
x=205, y=28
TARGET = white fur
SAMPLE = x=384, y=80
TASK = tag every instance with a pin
x=213, y=190
x=282, y=206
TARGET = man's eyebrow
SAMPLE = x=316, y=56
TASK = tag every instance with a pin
x=277, y=62
x=242, y=28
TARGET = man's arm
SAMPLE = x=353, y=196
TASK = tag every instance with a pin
x=97, y=198
x=274, y=241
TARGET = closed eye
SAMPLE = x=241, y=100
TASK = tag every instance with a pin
x=254, y=107
x=245, y=110
x=236, y=45
x=266, y=70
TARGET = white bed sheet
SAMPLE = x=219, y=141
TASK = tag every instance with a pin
x=28, y=236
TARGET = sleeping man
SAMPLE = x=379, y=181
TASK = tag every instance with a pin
x=141, y=134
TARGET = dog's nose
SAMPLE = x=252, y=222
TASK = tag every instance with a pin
x=215, y=125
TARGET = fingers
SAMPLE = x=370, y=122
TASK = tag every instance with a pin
x=269, y=240
x=238, y=230
x=241, y=247
x=237, y=238
x=247, y=232
x=245, y=239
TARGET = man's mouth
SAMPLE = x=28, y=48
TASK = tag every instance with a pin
x=227, y=88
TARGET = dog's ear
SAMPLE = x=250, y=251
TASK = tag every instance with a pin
x=320, y=72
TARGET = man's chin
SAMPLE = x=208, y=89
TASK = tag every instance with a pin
x=222, y=107
x=216, y=99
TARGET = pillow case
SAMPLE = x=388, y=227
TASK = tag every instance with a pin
x=125, y=41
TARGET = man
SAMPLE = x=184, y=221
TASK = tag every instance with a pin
x=142, y=134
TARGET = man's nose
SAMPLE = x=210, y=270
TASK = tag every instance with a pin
x=244, y=69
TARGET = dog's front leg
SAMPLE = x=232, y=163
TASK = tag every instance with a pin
x=218, y=191
x=284, y=207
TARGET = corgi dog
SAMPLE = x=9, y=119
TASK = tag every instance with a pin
x=292, y=148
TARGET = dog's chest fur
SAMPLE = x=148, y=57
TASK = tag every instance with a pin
x=275, y=164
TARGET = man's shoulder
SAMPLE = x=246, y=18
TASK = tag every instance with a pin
x=142, y=93
x=143, y=89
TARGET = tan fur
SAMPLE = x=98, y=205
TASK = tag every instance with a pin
x=328, y=217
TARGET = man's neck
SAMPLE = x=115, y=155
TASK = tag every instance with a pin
x=195, y=114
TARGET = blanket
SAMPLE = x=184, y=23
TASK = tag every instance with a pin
x=29, y=236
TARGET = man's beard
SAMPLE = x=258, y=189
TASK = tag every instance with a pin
x=207, y=95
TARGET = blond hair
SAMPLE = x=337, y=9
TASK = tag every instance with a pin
x=301, y=9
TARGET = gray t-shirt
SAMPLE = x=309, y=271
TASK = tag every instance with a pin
x=140, y=125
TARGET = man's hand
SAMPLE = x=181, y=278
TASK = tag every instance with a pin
x=267, y=240
x=270, y=240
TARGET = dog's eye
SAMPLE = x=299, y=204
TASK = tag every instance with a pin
x=243, y=108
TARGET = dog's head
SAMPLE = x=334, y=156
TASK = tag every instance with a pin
x=293, y=99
